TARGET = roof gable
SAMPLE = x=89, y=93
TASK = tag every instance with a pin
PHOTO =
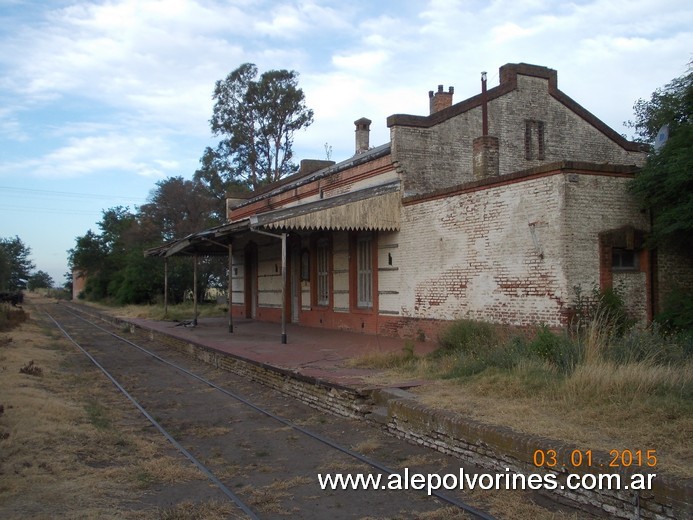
x=509, y=82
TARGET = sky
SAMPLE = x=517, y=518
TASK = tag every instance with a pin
x=100, y=100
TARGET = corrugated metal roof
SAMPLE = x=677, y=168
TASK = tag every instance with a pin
x=374, y=208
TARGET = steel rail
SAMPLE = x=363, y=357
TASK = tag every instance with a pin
x=206, y=471
x=316, y=436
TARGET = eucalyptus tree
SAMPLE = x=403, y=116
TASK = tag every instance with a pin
x=257, y=118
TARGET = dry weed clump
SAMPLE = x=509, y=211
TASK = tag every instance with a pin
x=189, y=510
x=31, y=369
x=11, y=317
x=271, y=498
x=625, y=383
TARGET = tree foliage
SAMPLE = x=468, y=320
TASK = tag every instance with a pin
x=113, y=259
x=217, y=178
x=257, y=119
x=665, y=183
x=15, y=265
x=179, y=207
x=40, y=280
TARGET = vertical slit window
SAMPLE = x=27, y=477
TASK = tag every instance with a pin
x=322, y=272
x=535, y=146
x=364, y=271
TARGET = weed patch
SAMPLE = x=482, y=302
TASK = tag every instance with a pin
x=11, y=317
x=31, y=369
x=97, y=416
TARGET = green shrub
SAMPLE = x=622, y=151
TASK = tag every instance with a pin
x=654, y=344
x=677, y=313
x=468, y=337
x=479, y=347
x=605, y=305
x=556, y=349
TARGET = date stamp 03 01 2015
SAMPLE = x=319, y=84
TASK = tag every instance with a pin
x=584, y=459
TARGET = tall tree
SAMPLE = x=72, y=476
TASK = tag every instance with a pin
x=665, y=183
x=15, y=265
x=217, y=178
x=102, y=256
x=178, y=207
x=257, y=119
x=40, y=280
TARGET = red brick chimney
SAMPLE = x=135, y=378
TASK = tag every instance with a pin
x=440, y=100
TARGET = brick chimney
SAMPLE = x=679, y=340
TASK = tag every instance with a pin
x=440, y=100
x=363, y=130
x=485, y=149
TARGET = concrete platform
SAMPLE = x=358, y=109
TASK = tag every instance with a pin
x=322, y=354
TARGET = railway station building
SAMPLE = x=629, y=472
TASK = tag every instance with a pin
x=496, y=208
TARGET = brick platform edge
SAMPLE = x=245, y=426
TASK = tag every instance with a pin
x=490, y=447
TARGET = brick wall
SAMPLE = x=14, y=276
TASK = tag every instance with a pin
x=489, y=254
x=513, y=250
x=594, y=204
x=437, y=151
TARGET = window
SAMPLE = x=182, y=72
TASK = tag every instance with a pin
x=364, y=272
x=534, y=140
x=624, y=259
x=322, y=261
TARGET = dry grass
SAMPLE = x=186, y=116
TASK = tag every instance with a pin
x=270, y=498
x=517, y=505
x=367, y=446
x=601, y=405
x=413, y=461
x=65, y=449
x=627, y=384
x=182, y=311
x=200, y=511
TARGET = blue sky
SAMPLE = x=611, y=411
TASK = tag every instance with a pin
x=99, y=100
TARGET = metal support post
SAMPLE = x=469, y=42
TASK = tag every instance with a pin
x=194, y=321
x=283, y=236
x=230, y=289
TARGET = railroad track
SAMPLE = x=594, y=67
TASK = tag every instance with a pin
x=262, y=451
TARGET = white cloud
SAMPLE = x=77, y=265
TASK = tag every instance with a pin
x=360, y=62
x=10, y=126
x=90, y=155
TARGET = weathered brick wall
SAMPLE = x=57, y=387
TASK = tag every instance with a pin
x=594, y=204
x=490, y=254
x=632, y=287
x=513, y=252
x=440, y=155
x=431, y=158
x=568, y=137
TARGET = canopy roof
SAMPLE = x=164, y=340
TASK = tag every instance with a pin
x=376, y=208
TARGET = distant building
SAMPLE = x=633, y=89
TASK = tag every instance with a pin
x=79, y=282
x=494, y=208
